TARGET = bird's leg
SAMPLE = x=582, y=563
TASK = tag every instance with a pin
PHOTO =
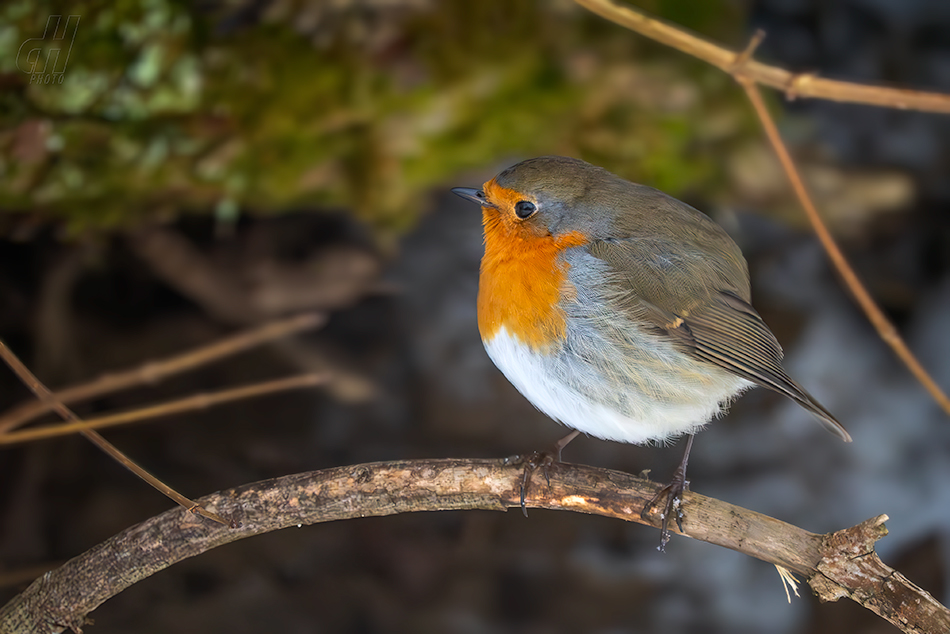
x=673, y=493
x=563, y=442
x=541, y=460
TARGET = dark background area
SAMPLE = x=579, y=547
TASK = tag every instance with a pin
x=298, y=156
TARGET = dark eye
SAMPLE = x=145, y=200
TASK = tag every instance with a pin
x=524, y=208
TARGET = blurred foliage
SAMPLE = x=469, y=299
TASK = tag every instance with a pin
x=168, y=107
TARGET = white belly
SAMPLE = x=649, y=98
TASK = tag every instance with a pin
x=622, y=408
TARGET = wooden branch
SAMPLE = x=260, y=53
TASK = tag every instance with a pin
x=167, y=408
x=841, y=564
x=155, y=371
x=794, y=85
x=850, y=568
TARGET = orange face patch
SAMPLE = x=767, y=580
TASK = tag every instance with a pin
x=522, y=279
x=505, y=199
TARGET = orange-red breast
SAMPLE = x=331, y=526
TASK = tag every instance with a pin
x=617, y=310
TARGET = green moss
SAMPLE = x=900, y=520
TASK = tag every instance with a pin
x=163, y=107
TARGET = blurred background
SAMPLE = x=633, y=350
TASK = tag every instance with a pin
x=191, y=169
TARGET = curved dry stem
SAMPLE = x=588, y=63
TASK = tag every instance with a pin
x=794, y=85
x=42, y=392
x=168, y=408
x=155, y=371
x=836, y=565
x=878, y=319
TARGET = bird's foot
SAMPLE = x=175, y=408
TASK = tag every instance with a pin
x=673, y=492
x=543, y=460
x=671, y=497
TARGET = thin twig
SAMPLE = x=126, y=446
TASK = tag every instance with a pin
x=841, y=564
x=155, y=371
x=794, y=85
x=42, y=392
x=749, y=73
x=168, y=408
x=881, y=323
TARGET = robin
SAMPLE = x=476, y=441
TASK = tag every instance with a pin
x=619, y=311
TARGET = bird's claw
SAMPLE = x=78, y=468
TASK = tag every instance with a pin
x=543, y=460
x=673, y=492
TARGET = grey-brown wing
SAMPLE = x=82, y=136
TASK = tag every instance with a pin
x=680, y=290
x=729, y=333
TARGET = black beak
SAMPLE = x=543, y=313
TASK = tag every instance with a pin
x=477, y=196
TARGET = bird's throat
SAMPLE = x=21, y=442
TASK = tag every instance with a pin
x=522, y=282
